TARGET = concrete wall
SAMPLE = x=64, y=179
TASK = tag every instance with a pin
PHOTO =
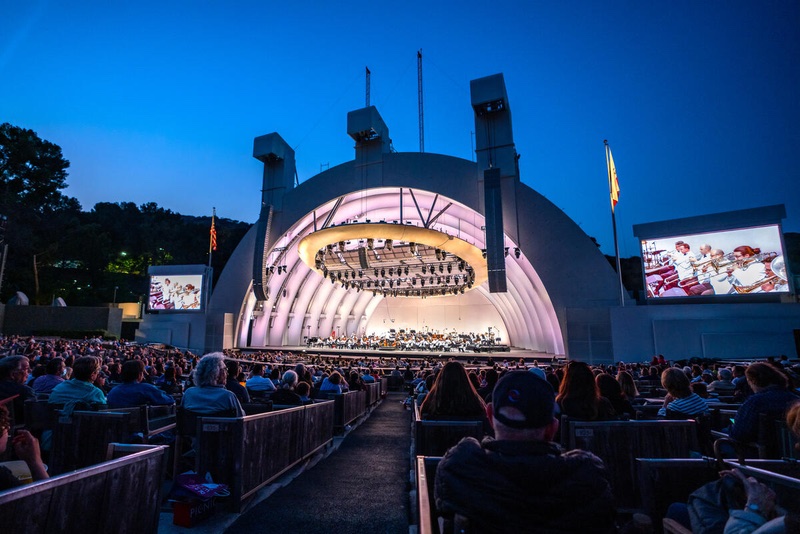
x=705, y=330
x=27, y=320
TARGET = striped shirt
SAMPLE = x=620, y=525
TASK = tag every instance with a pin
x=691, y=405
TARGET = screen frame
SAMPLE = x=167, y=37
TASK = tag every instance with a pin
x=167, y=271
x=712, y=223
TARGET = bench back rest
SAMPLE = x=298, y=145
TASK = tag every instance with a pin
x=432, y=437
x=92, y=499
x=82, y=439
x=619, y=443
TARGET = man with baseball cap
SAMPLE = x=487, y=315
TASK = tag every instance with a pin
x=521, y=481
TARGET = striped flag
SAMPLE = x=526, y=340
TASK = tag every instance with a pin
x=613, y=180
x=213, y=232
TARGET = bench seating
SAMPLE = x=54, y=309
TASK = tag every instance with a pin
x=619, y=443
x=247, y=453
x=122, y=495
x=81, y=440
x=432, y=437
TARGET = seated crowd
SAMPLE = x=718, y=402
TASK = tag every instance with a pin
x=521, y=405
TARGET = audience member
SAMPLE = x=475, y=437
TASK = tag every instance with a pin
x=520, y=481
x=13, y=375
x=209, y=395
x=770, y=397
x=232, y=383
x=453, y=395
x=723, y=385
x=134, y=391
x=258, y=384
x=26, y=448
x=80, y=391
x=628, y=386
x=54, y=370
x=579, y=397
x=611, y=390
x=286, y=393
x=680, y=401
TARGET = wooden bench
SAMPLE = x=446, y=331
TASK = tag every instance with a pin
x=425, y=473
x=93, y=499
x=432, y=437
x=348, y=407
x=619, y=443
x=666, y=481
x=373, y=393
x=247, y=453
x=81, y=440
x=775, y=441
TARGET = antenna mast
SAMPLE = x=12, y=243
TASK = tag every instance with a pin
x=419, y=98
x=368, y=73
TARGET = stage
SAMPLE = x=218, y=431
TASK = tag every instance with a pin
x=512, y=355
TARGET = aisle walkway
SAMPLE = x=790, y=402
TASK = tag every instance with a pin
x=361, y=487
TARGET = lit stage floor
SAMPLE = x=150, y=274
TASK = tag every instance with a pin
x=529, y=356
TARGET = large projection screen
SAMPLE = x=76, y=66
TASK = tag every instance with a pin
x=722, y=264
x=177, y=288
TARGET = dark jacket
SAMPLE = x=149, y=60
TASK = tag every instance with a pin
x=524, y=486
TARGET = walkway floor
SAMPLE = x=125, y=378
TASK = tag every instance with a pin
x=361, y=486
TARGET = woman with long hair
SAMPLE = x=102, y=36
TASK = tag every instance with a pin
x=453, y=394
x=579, y=397
x=610, y=389
x=628, y=386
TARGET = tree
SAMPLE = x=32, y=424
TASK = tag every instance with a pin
x=32, y=174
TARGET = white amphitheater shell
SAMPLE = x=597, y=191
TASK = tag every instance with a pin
x=558, y=265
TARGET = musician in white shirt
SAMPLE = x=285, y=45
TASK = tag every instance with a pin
x=683, y=260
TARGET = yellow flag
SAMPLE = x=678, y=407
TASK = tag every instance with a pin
x=613, y=181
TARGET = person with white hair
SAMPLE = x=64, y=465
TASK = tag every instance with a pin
x=209, y=395
x=286, y=394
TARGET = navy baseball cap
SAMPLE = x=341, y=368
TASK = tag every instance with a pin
x=529, y=394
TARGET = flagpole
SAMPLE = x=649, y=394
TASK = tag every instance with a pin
x=212, y=237
x=614, y=225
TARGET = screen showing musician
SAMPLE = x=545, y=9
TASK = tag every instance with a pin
x=176, y=292
x=731, y=262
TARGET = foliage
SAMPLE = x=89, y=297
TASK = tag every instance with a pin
x=95, y=257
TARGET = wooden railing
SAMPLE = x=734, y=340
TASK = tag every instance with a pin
x=121, y=496
x=246, y=453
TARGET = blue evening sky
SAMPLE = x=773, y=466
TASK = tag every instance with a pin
x=160, y=101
